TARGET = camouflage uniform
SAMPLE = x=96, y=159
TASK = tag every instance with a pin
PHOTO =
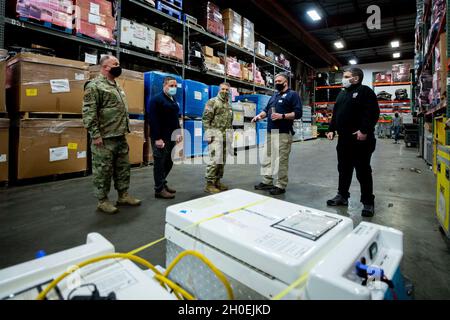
x=105, y=115
x=217, y=119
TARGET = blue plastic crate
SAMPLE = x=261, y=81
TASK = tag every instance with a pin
x=213, y=91
x=194, y=144
x=261, y=100
x=261, y=132
x=175, y=3
x=153, y=82
x=196, y=95
x=167, y=9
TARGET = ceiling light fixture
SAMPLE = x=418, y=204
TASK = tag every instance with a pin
x=339, y=44
x=395, y=44
x=314, y=15
x=353, y=61
x=396, y=55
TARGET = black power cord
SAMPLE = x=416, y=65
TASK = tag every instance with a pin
x=94, y=296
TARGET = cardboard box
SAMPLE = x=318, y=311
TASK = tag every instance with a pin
x=84, y=14
x=2, y=86
x=103, y=7
x=136, y=141
x=46, y=147
x=233, y=26
x=4, y=149
x=95, y=31
x=260, y=49
x=138, y=35
x=208, y=51
x=216, y=60
x=132, y=82
x=37, y=83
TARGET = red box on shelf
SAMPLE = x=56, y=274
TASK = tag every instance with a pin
x=95, y=31
x=56, y=12
x=97, y=7
x=101, y=20
x=213, y=21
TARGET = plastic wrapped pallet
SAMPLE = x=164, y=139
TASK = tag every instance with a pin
x=153, y=85
x=165, y=45
x=132, y=82
x=136, y=141
x=260, y=49
x=94, y=19
x=37, y=83
x=59, y=13
x=47, y=147
x=179, y=51
x=233, y=68
x=233, y=26
x=215, y=67
x=248, y=34
x=213, y=21
x=138, y=35
x=400, y=72
x=4, y=149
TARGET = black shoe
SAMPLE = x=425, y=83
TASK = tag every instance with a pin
x=277, y=191
x=263, y=186
x=338, y=201
x=368, y=210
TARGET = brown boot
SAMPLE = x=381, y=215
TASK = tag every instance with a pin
x=126, y=200
x=164, y=194
x=219, y=185
x=211, y=188
x=106, y=206
x=170, y=189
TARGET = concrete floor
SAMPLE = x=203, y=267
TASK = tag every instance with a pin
x=58, y=215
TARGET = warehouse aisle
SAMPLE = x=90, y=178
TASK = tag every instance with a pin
x=57, y=216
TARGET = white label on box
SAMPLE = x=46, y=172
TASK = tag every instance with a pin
x=3, y=158
x=197, y=95
x=81, y=154
x=198, y=54
x=58, y=154
x=90, y=58
x=206, y=90
x=60, y=85
x=198, y=132
x=79, y=76
x=94, y=8
x=94, y=19
x=179, y=85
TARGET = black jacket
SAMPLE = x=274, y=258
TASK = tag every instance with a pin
x=163, y=117
x=356, y=109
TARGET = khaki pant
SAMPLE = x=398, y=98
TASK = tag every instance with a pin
x=276, y=158
x=216, y=161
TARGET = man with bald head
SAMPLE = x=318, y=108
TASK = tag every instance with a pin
x=105, y=116
x=282, y=109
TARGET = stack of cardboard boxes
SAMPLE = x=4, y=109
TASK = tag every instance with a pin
x=137, y=35
x=168, y=47
x=44, y=146
x=94, y=19
x=57, y=12
x=233, y=26
x=212, y=62
x=248, y=34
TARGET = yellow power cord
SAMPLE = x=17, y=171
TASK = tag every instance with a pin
x=295, y=284
x=205, y=260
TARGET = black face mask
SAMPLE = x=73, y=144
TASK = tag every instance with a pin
x=116, y=71
x=279, y=86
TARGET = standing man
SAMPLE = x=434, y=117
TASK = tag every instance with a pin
x=283, y=108
x=105, y=116
x=355, y=115
x=163, y=112
x=217, y=122
x=396, y=125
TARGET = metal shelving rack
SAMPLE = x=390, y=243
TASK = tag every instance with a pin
x=119, y=49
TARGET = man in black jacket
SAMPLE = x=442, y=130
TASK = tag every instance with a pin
x=355, y=115
x=163, y=112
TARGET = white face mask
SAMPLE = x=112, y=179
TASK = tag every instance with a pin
x=346, y=82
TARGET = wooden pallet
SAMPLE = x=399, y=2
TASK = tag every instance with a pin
x=46, y=24
x=169, y=58
x=50, y=115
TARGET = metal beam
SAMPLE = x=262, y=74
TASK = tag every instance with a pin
x=279, y=14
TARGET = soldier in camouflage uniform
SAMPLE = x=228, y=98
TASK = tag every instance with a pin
x=217, y=120
x=105, y=116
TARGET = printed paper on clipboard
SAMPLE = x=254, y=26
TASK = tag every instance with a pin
x=307, y=224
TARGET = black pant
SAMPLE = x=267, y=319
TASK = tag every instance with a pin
x=354, y=154
x=162, y=164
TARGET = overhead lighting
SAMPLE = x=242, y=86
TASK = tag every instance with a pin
x=339, y=44
x=314, y=15
x=396, y=55
x=395, y=44
x=353, y=61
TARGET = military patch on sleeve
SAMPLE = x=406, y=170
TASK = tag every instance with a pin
x=89, y=96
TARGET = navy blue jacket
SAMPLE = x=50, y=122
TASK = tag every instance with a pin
x=163, y=117
x=286, y=102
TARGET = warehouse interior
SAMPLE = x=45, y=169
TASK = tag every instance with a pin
x=51, y=49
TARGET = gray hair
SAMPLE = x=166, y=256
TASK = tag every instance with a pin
x=225, y=84
x=105, y=58
x=282, y=74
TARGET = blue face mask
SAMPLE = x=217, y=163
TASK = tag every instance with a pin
x=172, y=92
